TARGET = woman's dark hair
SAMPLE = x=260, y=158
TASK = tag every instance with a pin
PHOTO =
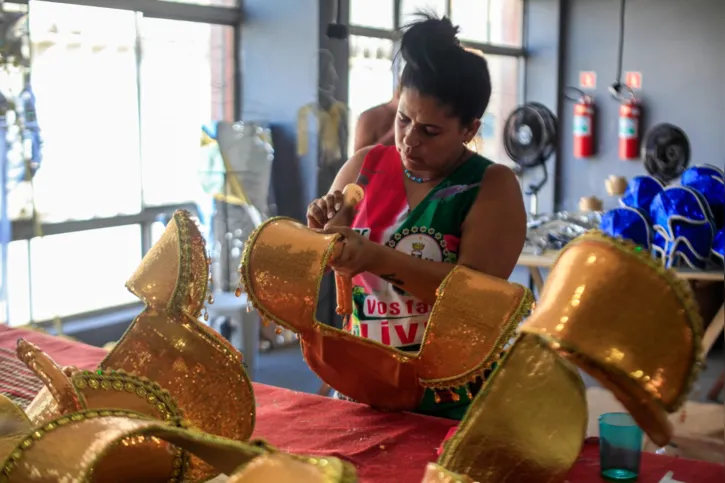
x=436, y=65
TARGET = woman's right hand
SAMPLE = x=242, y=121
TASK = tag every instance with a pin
x=322, y=210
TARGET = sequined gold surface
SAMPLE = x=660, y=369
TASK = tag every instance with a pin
x=14, y=424
x=472, y=320
x=168, y=365
x=81, y=447
x=628, y=322
x=168, y=345
x=282, y=468
x=526, y=425
x=58, y=384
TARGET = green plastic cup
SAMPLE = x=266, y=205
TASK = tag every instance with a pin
x=620, y=447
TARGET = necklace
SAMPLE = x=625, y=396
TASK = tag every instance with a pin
x=419, y=179
x=414, y=178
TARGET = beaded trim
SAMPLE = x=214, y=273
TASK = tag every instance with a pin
x=499, y=350
x=333, y=471
x=152, y=392
x=142, y=387
x=185, y=277
x=679, y=286
x=14, y=458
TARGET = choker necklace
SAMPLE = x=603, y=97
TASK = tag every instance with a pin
x=419, y=179
x=414, y=178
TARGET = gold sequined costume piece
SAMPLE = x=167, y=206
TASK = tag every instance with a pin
x=168, y=365
x=473, y=319
x=610, y=309
x=620, y=316
x=82, y=447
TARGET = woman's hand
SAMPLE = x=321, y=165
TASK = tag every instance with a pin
x=324, y=209
x=357, y=252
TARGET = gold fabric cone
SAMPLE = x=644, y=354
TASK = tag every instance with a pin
x=615, y=312
x=166, y=348
x=81, y=446
x=471, y=322
x=528, y=422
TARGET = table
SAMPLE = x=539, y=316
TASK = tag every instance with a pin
x=716, y=327
x=385, y=447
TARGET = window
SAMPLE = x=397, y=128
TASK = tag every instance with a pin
x=491, y=26
x=121, y=99
x=187, y=80
x=84, y=78
x=505, y=96
x=89, y=270
x=19, y=287
x=215, y=3
x=371, y=77
x=372, y=13
x=409, y=9
x=498, y=22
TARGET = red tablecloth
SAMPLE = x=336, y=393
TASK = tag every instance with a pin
x=386, y=448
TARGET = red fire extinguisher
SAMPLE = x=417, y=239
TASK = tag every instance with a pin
x=584, y=128
x=629, y=117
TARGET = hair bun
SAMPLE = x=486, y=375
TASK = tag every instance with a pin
x=427, y=39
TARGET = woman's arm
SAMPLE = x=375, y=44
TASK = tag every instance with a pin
x=350, y=170
x=330, y=210
x=494, y=233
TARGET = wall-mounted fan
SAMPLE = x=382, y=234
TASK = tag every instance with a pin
x=666, y=152
x=530, y=137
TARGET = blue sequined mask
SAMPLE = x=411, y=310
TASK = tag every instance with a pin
x=708, y=181
x=640, y=192
x=683, y=227
x=628, y=223
x=718, y=246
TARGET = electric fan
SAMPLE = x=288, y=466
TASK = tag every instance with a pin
x=666, y=152
x=530, y=136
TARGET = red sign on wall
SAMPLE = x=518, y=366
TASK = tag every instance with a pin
x=633, y=80
x=587, y=80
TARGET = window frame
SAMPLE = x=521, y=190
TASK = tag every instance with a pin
x=394, y=34
x=519, y=53
x=26, y=229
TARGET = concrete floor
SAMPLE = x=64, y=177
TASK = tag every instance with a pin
x=284, y=367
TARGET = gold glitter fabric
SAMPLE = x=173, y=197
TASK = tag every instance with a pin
x=166, y=366
x=621, y=317
x=83, y=447
x=473, y=319
x=610, y=309
x=527, y=424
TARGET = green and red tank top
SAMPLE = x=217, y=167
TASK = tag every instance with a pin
x=431, y=231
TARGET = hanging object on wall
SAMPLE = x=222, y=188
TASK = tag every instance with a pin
x=530, y=135
x=588, y=204
x=666, y=152
x=336, y=29
x=629, y=126
x=615, y=185
x=584, y=111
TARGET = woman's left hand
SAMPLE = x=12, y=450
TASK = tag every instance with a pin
x=356, y=254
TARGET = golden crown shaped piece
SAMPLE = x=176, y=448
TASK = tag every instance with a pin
x=168, y=365
x=90, y=442
x=610, y=309
x=470, y=324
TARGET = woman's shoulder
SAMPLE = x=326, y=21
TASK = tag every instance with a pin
x=368, y=158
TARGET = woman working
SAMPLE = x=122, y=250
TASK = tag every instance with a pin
x=429, y=201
